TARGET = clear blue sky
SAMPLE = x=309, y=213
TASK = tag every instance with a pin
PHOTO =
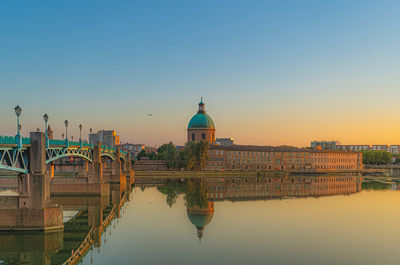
x=271, y=72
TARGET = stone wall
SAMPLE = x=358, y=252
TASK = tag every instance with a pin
x=150, y=165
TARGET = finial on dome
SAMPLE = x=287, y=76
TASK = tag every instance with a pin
x=201, y=106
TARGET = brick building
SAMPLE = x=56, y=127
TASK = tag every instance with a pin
x=247, y=157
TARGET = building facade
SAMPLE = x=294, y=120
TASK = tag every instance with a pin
x=108, y=138
x=357, y=148
x=224, y=141
x=327, y=145
x=243, y=189
x=201, y=126
x=243, y=157
x=225, y=155
x=133, y=149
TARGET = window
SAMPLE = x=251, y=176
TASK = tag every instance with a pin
x=203, y=136
x=193, y=137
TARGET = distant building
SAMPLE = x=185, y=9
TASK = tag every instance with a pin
x=180, y=148
x=380, y=148
x=224, y=141
x=108, y=138
x=151, y=149
x=394, y=149
x=356, y=148
x=134, y=149
x=326, y=145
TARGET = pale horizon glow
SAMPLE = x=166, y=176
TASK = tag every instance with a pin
x=270, y=72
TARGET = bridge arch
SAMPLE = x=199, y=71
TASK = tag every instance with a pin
x=107, y=155
x=52, y=159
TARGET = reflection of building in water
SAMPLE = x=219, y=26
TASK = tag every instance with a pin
x=200, y=194
x=200, y=217
x=264, y=188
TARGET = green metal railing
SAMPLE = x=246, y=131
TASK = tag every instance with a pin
x=10, y=140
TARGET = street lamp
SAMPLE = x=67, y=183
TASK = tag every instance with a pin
x=46, y=118
x=91, y=142
x=18, y=138
x=80, y=134
x=66, y=133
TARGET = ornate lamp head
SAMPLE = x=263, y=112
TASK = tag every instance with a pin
x=18, y=110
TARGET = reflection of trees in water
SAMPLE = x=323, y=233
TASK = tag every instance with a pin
x=172, y=189
x=375, y=185
x=195, y=192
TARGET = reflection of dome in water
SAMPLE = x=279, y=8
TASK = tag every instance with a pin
x=200, y=217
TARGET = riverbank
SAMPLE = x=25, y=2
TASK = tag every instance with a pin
x=252, y=173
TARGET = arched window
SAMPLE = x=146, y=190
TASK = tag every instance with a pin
x=193, y=137
x=203, y=136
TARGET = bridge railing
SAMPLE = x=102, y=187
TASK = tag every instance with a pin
x=82, y=249
x=10, y=140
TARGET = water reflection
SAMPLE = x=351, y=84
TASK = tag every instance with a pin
x=86, y=221
x=89, y=222
x=200, y=194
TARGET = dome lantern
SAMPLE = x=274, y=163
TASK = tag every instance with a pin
x=201, y=126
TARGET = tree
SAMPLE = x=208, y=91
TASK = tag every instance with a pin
x=167, y=152
x=376, y=157
x=196, y=154
x=190, y=152
x=144, y=153
x=202, y=147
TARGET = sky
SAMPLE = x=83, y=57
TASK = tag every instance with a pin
x=270, y=72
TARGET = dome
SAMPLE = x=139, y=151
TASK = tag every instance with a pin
x=201, y=120
x=200, y=220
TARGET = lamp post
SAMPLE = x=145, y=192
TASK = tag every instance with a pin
x=80, y=135
x=66, y=133
x=46, y=118
x=91, y=142
x=18, y=138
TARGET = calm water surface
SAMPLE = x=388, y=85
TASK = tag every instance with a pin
x=351, y=228
x=319, y=220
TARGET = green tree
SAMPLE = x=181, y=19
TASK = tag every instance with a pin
x=196, y=154
x=144, y=153
x=376, y=157
x=167, y=152
x=190, y=155
x=202, y=153
x=196, y=194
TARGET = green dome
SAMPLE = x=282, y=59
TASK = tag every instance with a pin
x=201, y=120
x=200, y=220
